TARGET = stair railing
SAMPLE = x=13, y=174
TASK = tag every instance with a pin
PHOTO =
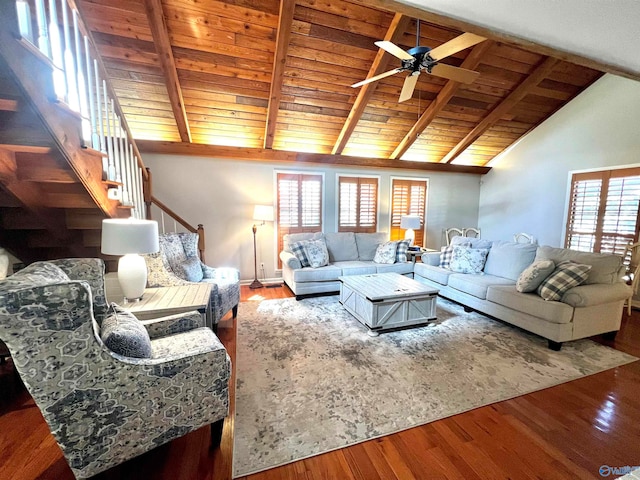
x=80, y=81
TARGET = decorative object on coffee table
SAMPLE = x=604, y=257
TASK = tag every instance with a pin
x=261, y=213
x=410, y=223
x=130, y=237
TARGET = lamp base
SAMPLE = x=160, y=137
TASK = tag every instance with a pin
x=132, y=275
x=256, y=284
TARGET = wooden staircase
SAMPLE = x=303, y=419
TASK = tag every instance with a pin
x=52, y=194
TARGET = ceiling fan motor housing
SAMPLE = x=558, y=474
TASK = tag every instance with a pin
x=422, y=59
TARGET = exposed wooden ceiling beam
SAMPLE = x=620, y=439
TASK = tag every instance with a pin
x=160, y=33
x=423, y=13
x=396, y=29
x=269, y=155
x=448, y=91
x=287, y=8
x=541, y=71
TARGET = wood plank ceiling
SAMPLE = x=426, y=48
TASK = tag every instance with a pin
x=277, y=74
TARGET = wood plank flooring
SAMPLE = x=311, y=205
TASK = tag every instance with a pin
x=563, y=432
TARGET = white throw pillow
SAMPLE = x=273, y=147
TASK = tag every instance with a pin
x=468, y=260
x=532, y=276
x=317, y=253
x=386, y=252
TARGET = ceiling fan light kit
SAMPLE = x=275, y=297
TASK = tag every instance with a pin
x=424, y=59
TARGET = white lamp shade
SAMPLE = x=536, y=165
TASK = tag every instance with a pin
x=410, y=221
x=263, y=213
x=123, y=236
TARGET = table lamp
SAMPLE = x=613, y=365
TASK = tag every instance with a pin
x=410, y=223
x=261, y=213
x=130, y=237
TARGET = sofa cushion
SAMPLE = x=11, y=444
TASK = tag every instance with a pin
x=38, y=273
x=386, y=252
x=605, y=268
x=316, y=252
x=298, y=250
x=296, y=237
x=432, y=272
x=322, y=274
x=468, y=260
x=356, y=267
x=566, y=276
x=509, y=259
x=532, y=276
x=474, y=242
x=401, y=268
x=476, y=285
x=190, y=270
x=530, y=303
x=122, y=333
x=341, y=246
x=367, y=244
x=401, y=250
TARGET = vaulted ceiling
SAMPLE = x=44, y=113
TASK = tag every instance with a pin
x=240, y=78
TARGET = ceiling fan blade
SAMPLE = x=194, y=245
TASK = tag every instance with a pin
x=394, y=50
x=409, y=86
x=457, y=74
x=377, y=77
x=455, y=45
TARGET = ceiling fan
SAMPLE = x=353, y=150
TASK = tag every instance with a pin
x=424, y=59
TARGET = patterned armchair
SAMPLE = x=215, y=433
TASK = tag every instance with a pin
x=178, y=263
x=102, y=407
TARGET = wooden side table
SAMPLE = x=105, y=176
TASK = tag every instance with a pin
x=163, y=301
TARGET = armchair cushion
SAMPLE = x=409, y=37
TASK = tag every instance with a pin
x=190, y=269
x=172, y=324
x=123, y=334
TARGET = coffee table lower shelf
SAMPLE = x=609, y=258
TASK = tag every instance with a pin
x=393, y=311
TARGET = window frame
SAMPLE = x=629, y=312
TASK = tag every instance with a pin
x=600, y=234
x=358, y=228
x=421, y=235
x=276, y=230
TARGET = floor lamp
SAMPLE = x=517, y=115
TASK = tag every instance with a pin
x=261, y=213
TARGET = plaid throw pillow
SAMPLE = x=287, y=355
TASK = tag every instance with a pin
x=566, y=276
x=446, y=254
x=298, y=250
x=401, y=250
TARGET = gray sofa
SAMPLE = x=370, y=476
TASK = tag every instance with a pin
x=349, y=254
x=592, y=308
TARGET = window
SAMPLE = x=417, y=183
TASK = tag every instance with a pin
x=603, y=210
x=357, y=204
x=299, y=204
x=408, y=197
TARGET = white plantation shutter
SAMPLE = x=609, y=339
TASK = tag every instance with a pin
x=299, y=207
x=408, y=197
x=357, y=204
x=603, y=210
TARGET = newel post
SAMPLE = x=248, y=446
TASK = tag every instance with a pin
x=146, y=192
x=201, y=241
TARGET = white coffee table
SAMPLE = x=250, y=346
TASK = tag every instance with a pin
x=385, y=301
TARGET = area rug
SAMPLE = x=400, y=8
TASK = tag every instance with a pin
x=310, y=379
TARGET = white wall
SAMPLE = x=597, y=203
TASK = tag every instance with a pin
x=527, y=188
x=221, y=194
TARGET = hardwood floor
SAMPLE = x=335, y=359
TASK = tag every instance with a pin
x=563, y=432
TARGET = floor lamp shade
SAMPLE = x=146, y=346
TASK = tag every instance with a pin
x=129, y=238
x=261, y=213
x=410, y=223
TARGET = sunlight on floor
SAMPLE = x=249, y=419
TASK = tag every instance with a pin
x=256, y=298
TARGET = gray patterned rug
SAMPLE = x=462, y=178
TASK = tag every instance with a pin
x=310, y=379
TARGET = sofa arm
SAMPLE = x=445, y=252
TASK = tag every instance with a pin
x=172, y=324
x=290, y=260
x=596, y=294
x=431, y=258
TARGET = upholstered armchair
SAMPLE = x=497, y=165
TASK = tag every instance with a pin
x=178, y=263
x=105, y=407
